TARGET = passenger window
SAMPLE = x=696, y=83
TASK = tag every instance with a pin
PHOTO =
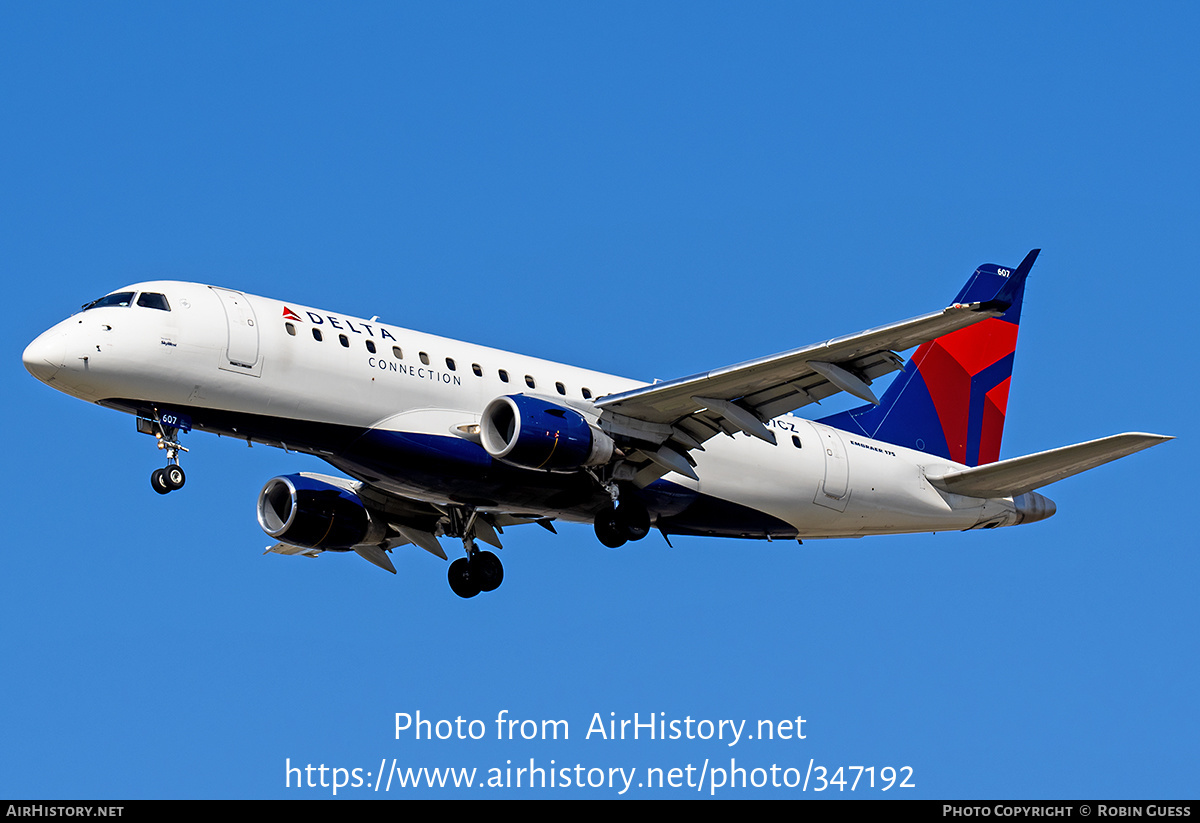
x=529, y=382
x=424, y=358
x=371, y=346
x=450, y=363
x=291, y=328
x=344, y=341
x=587, y=394
x=478, y=371
x=399, y=355
x=561, y=388
x=151, y=300
x=503, y=376
x=317, y=335
x=796, y=442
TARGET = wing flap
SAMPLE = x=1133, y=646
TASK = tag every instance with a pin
x=375, y=556
x=1019, y=475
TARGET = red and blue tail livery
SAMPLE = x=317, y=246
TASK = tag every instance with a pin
x=951, y=398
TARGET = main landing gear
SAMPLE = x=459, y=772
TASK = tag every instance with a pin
x=479, y=571
x=622, y=521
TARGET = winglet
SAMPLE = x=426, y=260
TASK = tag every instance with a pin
x=1008, y=292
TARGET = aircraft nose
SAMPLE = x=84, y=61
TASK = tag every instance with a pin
x=44, y=356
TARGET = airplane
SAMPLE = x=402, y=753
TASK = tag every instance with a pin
x=445, y=438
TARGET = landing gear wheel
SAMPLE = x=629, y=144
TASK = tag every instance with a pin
x=633, y=520
x=608, y=528
x=462, y=582
x=158, y=481
x=487, y=570
x=173, y=477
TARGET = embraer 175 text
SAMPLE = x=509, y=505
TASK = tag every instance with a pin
x=445, y=438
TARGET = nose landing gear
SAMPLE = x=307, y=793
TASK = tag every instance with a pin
x=166, y=429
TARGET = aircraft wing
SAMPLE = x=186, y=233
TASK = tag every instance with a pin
x=412, y=521
x=681, y=414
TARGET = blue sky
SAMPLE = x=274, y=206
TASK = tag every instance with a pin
x=652, y=190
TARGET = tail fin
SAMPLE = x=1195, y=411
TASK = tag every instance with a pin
x=951, y=398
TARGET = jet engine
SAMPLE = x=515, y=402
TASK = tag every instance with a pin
x=314, y=513
x=536, y=434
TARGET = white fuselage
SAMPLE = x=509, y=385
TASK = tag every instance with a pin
x=257, y=360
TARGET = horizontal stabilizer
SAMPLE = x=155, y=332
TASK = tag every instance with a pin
x=1009, y=478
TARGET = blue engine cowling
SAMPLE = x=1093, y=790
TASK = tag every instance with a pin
x=537, y=434
x=312, y=513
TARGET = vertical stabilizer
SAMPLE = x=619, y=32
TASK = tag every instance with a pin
x=951, y=398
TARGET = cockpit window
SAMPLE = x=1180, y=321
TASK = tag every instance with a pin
x=151, y=300
x=120, y=298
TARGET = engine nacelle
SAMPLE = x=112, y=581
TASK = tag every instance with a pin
x=536, y=434
x=316, y=514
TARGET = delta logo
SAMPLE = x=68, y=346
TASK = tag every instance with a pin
x=337, y=323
